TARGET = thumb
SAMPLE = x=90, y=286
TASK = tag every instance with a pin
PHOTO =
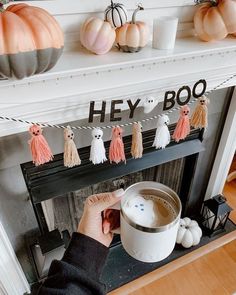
x=103, y=201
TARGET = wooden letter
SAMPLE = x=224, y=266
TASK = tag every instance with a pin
x=132, y=107
x=114, y=110
x=169, y=100
x=93, y=112
x=204, y=83
x=180, y=102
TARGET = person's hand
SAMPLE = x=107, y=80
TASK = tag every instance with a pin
x=91, y=223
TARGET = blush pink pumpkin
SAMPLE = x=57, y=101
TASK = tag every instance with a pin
x=133, y=36
x=214, y=20
x=97, y=35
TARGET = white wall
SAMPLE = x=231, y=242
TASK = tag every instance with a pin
x=70, y=14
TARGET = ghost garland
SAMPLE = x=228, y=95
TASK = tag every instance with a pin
x=182, y=128
x=162, y=137
x=116, y=150
x=41, y=152
x=199, y=116
x=137, y=141
x=97, y=150
x=71, y=155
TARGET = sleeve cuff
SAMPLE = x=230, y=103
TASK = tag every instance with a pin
x=86, y=253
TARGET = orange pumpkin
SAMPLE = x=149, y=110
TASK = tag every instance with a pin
x=97, y=35
x=132, y=37
x=214, y=20
x=31, y=41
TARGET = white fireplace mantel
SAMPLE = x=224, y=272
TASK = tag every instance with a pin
x=62, y=94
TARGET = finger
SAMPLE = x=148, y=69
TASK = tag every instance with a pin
x=107, y=200
x=106, y=226
x=100, y=202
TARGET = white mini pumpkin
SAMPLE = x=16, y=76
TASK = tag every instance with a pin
x=189, y=233
x=116, y=14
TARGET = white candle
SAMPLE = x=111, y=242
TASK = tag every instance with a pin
x=164, y=32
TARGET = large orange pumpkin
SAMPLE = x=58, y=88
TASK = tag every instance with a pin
x=31, y=41
x=133, y=36
x=214, y=20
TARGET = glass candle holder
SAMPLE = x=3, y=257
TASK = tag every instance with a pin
x=164, y=32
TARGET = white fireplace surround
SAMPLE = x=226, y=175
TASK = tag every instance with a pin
x=62, y=94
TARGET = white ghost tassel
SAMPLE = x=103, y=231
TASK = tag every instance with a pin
x=97, y=150
x=162, y=137
x=71, y=155
x=149, y=103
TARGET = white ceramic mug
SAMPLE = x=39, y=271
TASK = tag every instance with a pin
x=149, y=244
x=164, y=32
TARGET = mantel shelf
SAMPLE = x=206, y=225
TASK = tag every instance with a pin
x=80, y=77
x=82, y=62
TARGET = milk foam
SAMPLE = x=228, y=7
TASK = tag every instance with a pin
x=149, y=210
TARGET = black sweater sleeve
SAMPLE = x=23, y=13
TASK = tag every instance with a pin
x=79, y=270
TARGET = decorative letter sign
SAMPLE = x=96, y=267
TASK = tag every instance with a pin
x=181, y=97
x=169, y=100
x=101, y=112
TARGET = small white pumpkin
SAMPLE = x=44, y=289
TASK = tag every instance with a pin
x=116, y=14
x=189, y=233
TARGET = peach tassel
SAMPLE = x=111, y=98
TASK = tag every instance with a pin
x=199, y=116
x=137, y=141
x=182, y=128
x=71, y=155
x=40, y=150
x=116, y=150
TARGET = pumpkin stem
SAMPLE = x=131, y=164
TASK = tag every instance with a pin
x=112, y=4
x=212, y=2
x=140, y=7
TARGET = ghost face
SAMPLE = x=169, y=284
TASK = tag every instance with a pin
x=35, y=130
x=140, y=211
x=184, y=111
x=203, y=101
x=149, y=104
x=97, y=134
x=117, y=132
x=68, y=134
x=163, y=120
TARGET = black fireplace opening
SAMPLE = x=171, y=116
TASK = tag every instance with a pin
x=65, y=189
